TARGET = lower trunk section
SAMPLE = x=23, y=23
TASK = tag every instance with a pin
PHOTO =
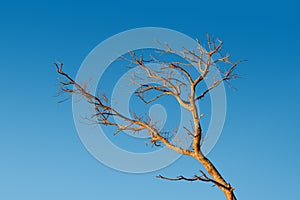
x=214, y=173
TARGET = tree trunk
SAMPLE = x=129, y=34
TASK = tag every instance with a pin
x=213, y=172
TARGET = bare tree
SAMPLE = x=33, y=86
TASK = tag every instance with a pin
x=171, y=79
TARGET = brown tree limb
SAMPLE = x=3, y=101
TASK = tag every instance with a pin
x=105, y=110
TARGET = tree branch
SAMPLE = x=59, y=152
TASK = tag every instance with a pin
x=104, y=111
x=203, y=178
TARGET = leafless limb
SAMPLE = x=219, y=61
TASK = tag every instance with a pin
x=104, y=113
x=170, y=79
x=203, y=178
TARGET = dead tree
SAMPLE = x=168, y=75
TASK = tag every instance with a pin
x=169, y=85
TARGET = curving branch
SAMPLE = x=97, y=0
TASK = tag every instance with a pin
x=104, y=113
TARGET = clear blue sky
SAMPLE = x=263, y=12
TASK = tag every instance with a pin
x=41, y=156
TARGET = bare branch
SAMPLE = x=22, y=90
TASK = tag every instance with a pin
x=104, y=111
x=203, y=178
x=228, y=76
x=169, y=87
x=181, y=69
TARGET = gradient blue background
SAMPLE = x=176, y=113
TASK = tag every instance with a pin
x=41, y=156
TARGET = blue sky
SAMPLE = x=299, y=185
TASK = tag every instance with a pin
x=41, y=154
